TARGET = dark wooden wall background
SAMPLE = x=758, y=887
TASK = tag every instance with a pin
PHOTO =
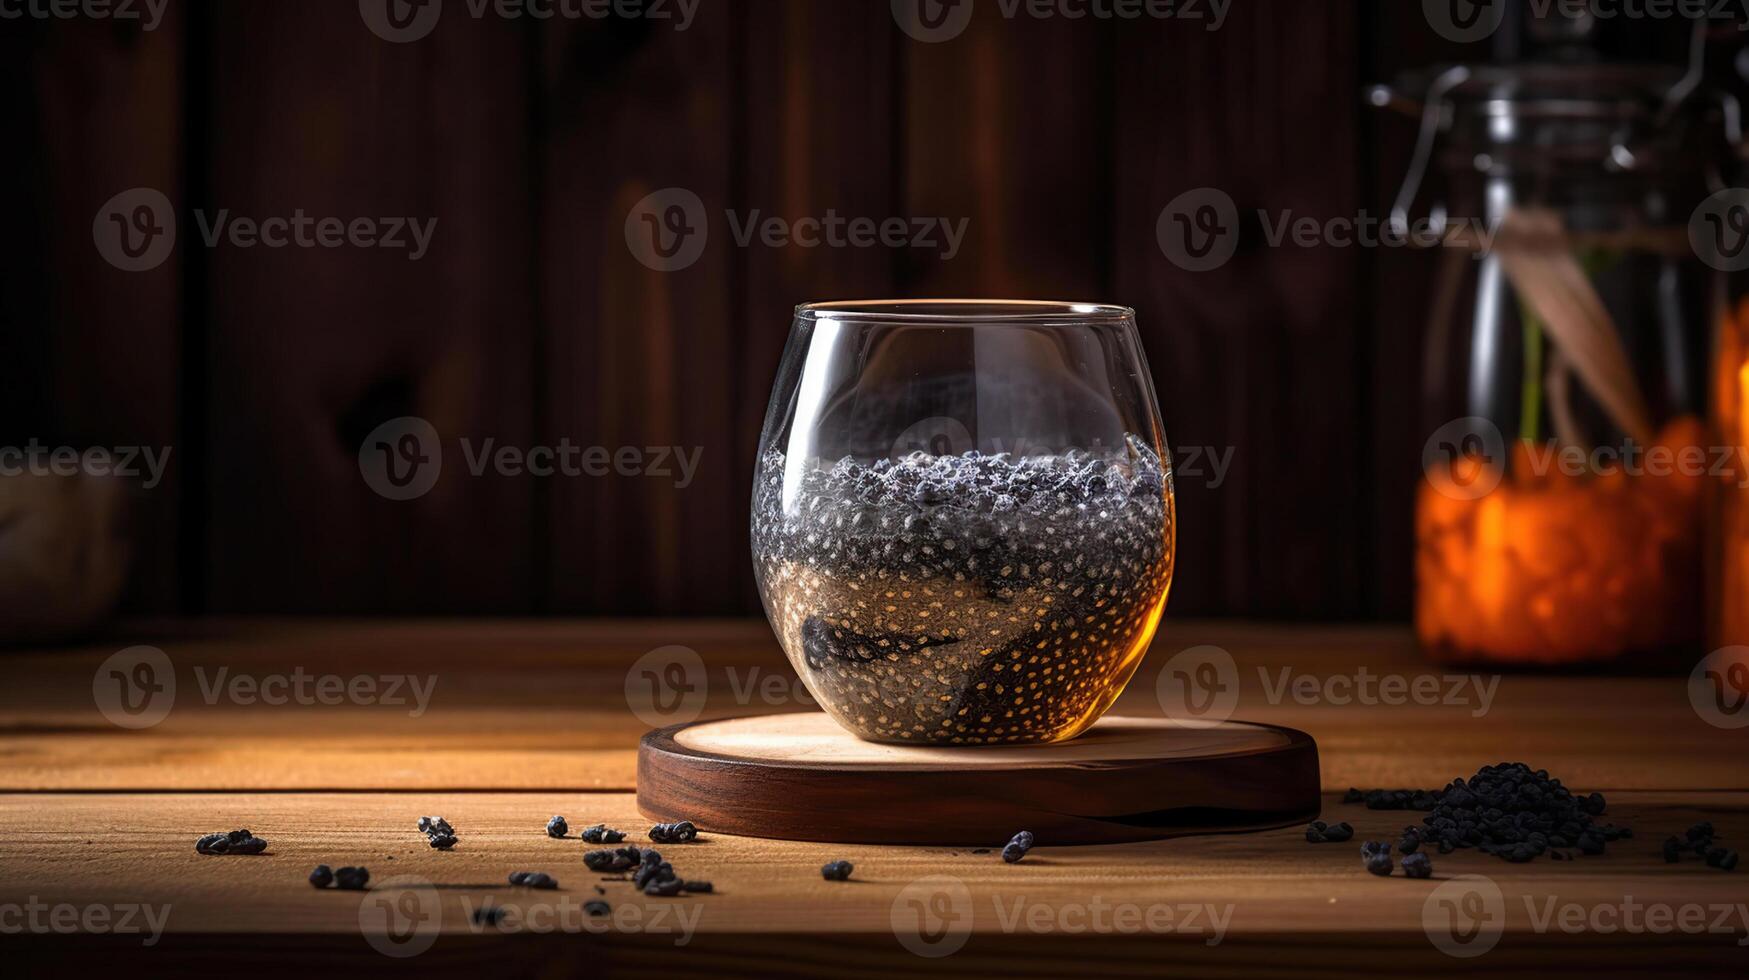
x=530, y=321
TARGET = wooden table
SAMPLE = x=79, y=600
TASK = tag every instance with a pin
x=529, y=719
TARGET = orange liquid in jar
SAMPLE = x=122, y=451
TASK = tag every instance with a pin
x=1549, y=568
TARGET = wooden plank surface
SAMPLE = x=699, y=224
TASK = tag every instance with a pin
x=533, y=718
x=1248, y=887
x=544, y=705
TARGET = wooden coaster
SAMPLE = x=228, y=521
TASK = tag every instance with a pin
x=801, y=777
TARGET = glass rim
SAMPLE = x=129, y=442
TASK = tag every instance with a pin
x=966, y=311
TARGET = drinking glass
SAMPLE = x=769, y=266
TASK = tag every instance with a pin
x=963, y=518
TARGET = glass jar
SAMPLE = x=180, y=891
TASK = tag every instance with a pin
x=1562, y=511
x=1729, y=544
x=962, y=518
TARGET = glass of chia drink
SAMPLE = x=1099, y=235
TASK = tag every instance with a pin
x=963, y=517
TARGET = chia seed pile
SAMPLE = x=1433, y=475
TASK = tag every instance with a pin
x=1510, y=811
x=969, y=599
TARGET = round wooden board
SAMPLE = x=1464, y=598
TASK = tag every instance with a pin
x=801, y=777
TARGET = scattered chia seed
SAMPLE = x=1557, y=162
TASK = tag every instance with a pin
x=1416, y=866
x=673, y=833
x=597, y=908
x=557, y=827
x=489, y=915
x=351, y=879
x=1017, y=847
x=700, y=887
x=621, y=859
x=438, y=831
x=650, y=873
x=322, y=877
x=533, y=879
x=235, y=842
x=1700, y=841
x=840, y=870
x=1319, y=832
x=602, y=834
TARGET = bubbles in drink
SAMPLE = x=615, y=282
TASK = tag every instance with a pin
x=966, y=599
